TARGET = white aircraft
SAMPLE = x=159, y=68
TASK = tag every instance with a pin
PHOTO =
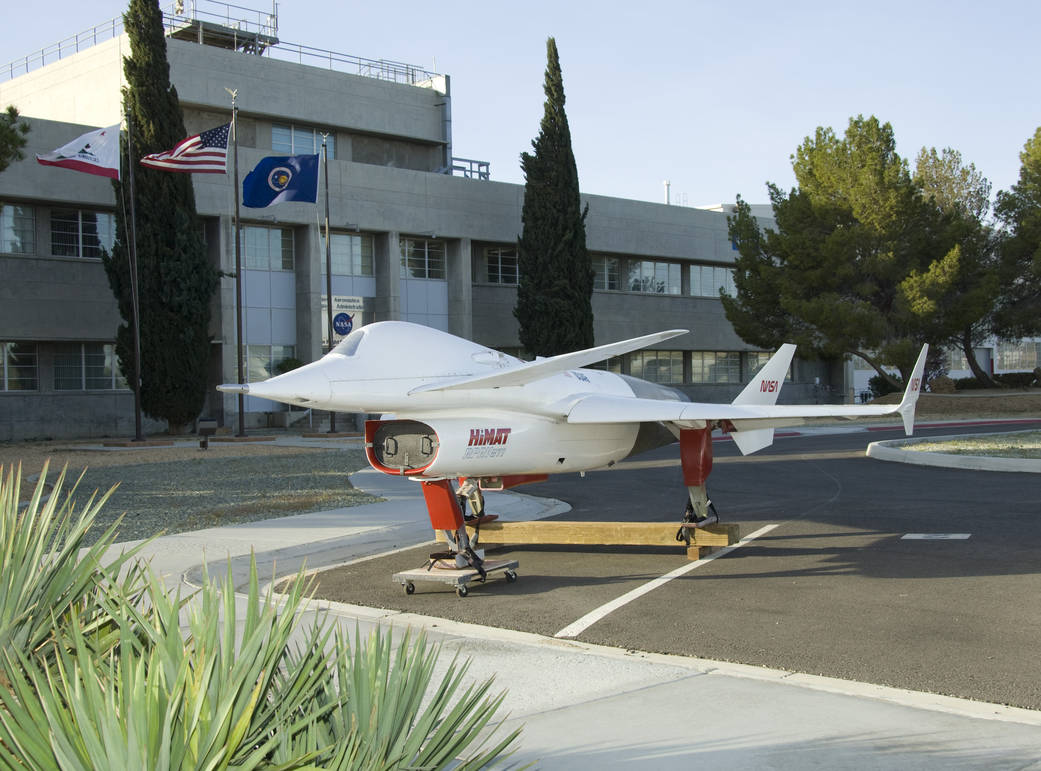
x=455, y=410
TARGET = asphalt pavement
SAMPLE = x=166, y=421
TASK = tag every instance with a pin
x=833, y=587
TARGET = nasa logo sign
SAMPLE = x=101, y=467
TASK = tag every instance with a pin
x=279, y=178
x=768, y=386
x=343, y=323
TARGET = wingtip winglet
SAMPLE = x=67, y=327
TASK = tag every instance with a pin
x=912, y=391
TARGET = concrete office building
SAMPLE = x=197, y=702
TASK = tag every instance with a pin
x=417, y=233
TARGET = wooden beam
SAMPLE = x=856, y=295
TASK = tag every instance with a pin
x=602, y=534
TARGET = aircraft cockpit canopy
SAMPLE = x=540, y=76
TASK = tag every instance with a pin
x=349, y=345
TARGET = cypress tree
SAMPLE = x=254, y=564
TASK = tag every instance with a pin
x=175, y=279
x=554, y=295
x=12, y=137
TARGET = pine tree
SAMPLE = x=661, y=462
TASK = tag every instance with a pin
x=554, y=295
x=856, y=248
x=176, y=281
x=1019, y=209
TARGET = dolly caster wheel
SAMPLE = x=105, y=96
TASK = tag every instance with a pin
x=511, y=576
x=410, y=588
x=462, y=590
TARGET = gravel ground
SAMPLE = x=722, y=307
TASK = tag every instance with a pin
x=1021, y=444
x=175, y=489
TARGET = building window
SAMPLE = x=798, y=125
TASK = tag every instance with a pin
x=87, y=367
x=657, y=366
x=80, y=233
x=654, y=277
x=17, y=229
x=605, y=272
x=707, y=280
x=1022, y=356
x=614, y=364
x=268, y=248
x=715, y=367
x=755, y=361
x=19, y=367
x=262, y=360
x=351, y=254
x=422, y=258
x=301, y=140
x=501, y=264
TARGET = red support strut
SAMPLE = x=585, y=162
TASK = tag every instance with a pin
x=442, y=505
x=696, y=455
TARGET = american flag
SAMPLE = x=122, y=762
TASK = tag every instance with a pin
x=205, y=153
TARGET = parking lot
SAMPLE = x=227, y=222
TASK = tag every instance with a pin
x=919, y=578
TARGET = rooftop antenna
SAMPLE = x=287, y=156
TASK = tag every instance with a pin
x=667, y=184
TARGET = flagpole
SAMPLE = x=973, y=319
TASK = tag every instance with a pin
x=328, y=267
x=134, y=292
x=238, y=264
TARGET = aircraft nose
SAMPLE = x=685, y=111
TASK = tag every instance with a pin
x=307, y=386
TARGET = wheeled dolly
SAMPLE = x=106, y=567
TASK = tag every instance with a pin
x=460, y=578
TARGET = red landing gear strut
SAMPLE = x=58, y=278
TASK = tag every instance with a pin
x=446, y=514
x=696, y=460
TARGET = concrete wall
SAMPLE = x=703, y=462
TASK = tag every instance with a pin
x=300, y=93
x=83, y=88
x=25, y=415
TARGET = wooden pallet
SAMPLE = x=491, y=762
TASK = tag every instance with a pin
x=605, y=534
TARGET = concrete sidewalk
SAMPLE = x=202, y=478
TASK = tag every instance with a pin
x=586, y=706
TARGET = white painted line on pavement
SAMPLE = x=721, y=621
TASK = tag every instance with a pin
x=576, y=628
x=936, y=537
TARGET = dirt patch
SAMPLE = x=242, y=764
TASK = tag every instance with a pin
x=967, y=405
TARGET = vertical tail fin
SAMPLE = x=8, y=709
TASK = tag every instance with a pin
x=766, y=385
x=764, y=388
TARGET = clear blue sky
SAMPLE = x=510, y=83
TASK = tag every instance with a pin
x=713, y=96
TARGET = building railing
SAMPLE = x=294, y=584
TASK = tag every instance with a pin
x=70, y=45
x=382, y=69
x=254, y=25
x=467, y=167
x=223, y=14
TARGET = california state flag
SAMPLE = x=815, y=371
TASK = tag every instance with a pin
x=96, y=152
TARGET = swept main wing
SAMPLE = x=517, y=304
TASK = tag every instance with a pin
x=620, y=409
x=536, y=370
x=745, y=417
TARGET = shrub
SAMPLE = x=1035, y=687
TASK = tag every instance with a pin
x=1015, y=379
x=48, y=580
x=967, y=384
x=879, y=386
x=245, y=685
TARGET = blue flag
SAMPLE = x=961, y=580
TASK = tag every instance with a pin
x=281, y=178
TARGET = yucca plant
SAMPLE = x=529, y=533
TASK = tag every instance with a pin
x=387, y=717
x=220, y=681
x=46, y=576
x=165, y=697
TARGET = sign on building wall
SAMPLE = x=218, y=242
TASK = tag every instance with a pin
x=348, y=314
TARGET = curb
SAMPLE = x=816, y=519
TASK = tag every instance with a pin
x=895, y=450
